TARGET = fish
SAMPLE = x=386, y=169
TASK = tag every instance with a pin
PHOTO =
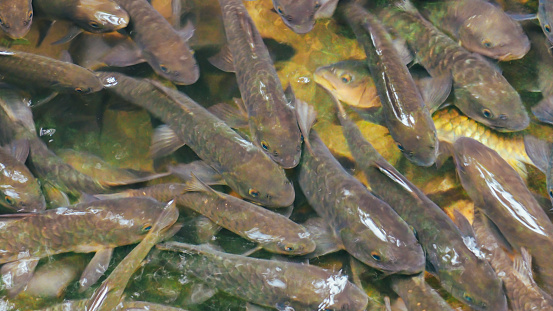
x=249, y=171
x=26, y=69
x=417, y=294
x=404, y=111
x=108, y=296
x=500, y=194
x=80, y=305
x=481, y=92
x=273, y=232
x=271, y=283
x=159, y=44
x=480, y=27
x=368, y=228
x=19, y=189
x=96, y=16
x=541, y=153
x=450, y=123
x=16, y=17
x=271, y=115
x=468, y=278
x=521, y=289
x=97, y=226
x=300, y=16
x=542, y=69
x=545, y=14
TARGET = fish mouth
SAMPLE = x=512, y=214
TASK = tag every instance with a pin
x=300, y=29
x=321, y=77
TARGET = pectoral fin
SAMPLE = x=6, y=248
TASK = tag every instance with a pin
x=223, y=60
x=124, y=54
x=306, y=116
x=544, y=110
x=164, y=142
x=72, y=32
x=434, y=91
x=19, y=149
x=95, y=268
x=17, y=274
x=233, y=117
x=203, y=171
x=324, y=237
x=538, y=151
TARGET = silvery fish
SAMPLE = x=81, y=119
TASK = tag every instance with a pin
x=272, y=117
x=468, y=278
x=97, y=226
x=521, y=289
x=244, y=166
x=108, y=296
x=403, y=108
x=32, y=70
x=499, y=193
x=368, y=228
x=16, y=17
x=479, y=26
x=277, y=284
x=481, y=92
x=160, y=45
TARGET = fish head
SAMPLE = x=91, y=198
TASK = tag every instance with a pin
x=389, y=248
x=83, y=84
x=20, y=191
x=418, y=142
x=100, y=16
x=492, y=102
x=280, y=139
x=350, y=82
x=297, y=15
x=16, y=18
x=495, y=35
x=545, y=16
x=15, y=110
x=296, y=244
x=174, y=62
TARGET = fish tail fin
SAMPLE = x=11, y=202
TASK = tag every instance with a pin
x=519, y=167
x=523, y=265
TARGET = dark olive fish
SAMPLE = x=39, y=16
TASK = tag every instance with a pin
x=545, y=16
x=277, y=284
x=465, y=276
x=274, y=232
x=92, y=15
x=16, y=17
x=417, y=294
x=368, y=228
x=245, y=168
x=481, y=92
x=480, y=27
x=97, y=226
x=31, y=70
x=499, y=192
x=521, y=289
x=161, y=45
x=271, y=116
x=544, y=68
x=108, y=296
x=405, y=113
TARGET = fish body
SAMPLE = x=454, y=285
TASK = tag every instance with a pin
x=480, y=27
x=161, y=46
x=271, y=115
x=244, y=166
x=465, y=276
x=82, y=228
x=16, y=17
x=80, y=305
x=521, y=289
x=418, y=295
x=499, y=192
x=25, y=69
x=19, y=189
x=405, y=113
x=297, y=15
x=358, y=90
x=367, y=227
x=92, y=15
x=271, y=283
x=481, y=92
x=545, y=16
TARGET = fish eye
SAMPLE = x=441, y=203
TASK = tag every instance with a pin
x=467, y=297
x=376, y=256
x=400, y=147
x=79, y=90
x=264, y=145
x=301, y=138
x=94, y=24
x=279, y=10
x=30, y=14
x=551, y=193
x=345, y=78
x=317, y=5
x=289, y=248
x=487, y=113
x=163, y=68
x=487, y=43
x=547, y=28
x=254, y=193
x=1, y=22
x=146, y=228
x=9, y=200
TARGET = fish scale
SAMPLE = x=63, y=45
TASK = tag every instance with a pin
x=272, y=118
